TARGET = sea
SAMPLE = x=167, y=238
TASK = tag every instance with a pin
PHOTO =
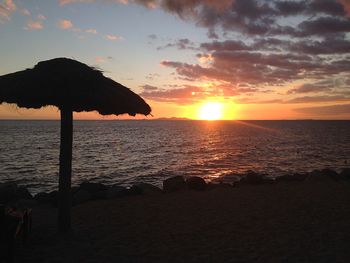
x=126, y=152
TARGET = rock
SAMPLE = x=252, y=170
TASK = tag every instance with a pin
x=196, y=183
x=332, y=174
x=253, y=178
x=147, y=189
x=92, y=187
x=345, y=173
x=7, y=192
x=99, y=195
x=81, y=196
x=74, y=189
x=173, y=184
x=47, y=198
x=116, y=191
x=323, y=176
x=317, y=176
x=23, y=193
x=134, y=190
x=297, y=177
x=42, y=197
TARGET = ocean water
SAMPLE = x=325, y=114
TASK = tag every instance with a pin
x=126, y=152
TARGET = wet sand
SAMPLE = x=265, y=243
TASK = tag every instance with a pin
x=284, y=222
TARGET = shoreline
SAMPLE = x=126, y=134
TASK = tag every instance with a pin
x=289, y=221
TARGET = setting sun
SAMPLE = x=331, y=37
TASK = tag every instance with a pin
x=211, y=111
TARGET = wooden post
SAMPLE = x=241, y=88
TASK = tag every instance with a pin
x=65, y=170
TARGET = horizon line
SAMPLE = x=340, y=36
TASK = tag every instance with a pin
x=178, y=119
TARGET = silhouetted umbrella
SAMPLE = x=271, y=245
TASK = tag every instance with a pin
x=71, y=86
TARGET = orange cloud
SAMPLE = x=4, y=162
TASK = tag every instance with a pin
x=65, y=24
x=91, y=31
x=34, y=25
x=41, y=17
x=99, y=59
x=65, y=2
x=113, y=37
x=25, y=12
x=6, y=9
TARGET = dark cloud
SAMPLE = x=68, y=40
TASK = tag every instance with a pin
x=317, y=47
x=180, y=44
x=323, y=25
x=261, y=17
x=184, y=95
x=297, y=100
x=342, y=109
x=149, y=88
x=316, y=87
x=152, y=36
x=228, y=45
x=316, y=99
x=264, y=45
x=152, y=76
x=188, y=94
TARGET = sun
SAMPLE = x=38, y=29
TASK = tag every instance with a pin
x=210, y=111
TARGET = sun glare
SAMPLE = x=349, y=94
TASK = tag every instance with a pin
x=210, y=111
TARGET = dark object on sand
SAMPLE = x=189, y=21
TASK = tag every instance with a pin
x=196, y=183
x=71, y=86
x=253, y=178
x=173, y=184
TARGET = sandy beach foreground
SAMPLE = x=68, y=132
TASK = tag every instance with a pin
x=284, y=222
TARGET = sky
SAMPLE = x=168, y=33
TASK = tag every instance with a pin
x=197, y=59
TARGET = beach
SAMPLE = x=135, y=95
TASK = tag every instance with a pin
x=293, y=221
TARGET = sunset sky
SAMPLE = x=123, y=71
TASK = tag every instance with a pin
x=228, y=59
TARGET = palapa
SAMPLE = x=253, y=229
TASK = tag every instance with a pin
x=71, y=86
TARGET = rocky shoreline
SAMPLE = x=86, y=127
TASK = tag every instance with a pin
x=14, y=195
x=296, y=218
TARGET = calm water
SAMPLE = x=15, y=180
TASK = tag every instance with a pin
x=125, y=152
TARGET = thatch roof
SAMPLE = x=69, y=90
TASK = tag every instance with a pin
x=64, y=82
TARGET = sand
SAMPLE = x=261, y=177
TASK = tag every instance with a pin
x=284, y=222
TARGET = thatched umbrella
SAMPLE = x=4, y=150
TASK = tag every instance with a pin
x=71, y=86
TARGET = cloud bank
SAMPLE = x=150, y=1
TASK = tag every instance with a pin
x=297, y=51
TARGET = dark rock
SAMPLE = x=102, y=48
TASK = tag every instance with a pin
x=196, y=183
x=42, y=197
x=116, y=191
x=47, y=198
x=7, y=192
x=253, y=178
x=345, y=174
x=74, y=189
x=269, y=180
x=99, y=195
x=297, y=177
x=81, y=196
x=147, y=189
x=23, y=193
x=317, y=176
x=92, y=187
x=134, y=190
x=173, y=184
x=332, y=174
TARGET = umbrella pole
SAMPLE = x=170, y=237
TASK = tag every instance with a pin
x=65, y=170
